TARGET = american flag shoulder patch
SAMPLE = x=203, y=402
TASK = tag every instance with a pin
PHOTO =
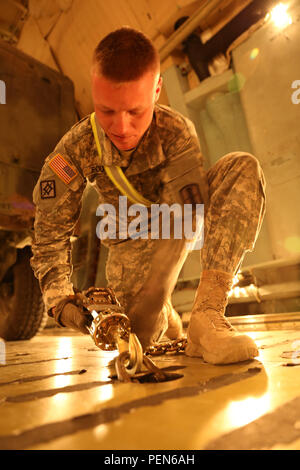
x=62, y=168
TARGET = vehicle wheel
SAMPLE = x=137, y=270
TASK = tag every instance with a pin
x=22, y=312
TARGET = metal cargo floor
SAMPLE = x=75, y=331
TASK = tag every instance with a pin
x=56, y=393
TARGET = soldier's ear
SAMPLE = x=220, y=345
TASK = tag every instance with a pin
x=158, y=88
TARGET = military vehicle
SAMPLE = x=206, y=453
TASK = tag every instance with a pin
x=37, y=107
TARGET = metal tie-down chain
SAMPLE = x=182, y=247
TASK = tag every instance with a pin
x=111, y=331
x=174, y=346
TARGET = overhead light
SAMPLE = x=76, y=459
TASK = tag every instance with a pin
x=279, y=15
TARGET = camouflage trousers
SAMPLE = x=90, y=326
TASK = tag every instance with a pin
x=145, y=272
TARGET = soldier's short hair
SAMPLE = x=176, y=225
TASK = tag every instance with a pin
x=125, y=55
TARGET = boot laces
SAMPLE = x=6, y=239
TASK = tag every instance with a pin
x=218, y=319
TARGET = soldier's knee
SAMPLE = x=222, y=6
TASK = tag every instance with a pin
x=246, y=162
x=249, y=159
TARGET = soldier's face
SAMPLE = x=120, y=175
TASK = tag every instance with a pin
x=125, y=110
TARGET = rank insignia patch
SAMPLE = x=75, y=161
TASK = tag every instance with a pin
x=62, y=168
x=48, y=189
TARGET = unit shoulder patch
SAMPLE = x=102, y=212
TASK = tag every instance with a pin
x=62, y=168
x=48, y=189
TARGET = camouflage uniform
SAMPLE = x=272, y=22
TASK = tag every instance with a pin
x=167, y=157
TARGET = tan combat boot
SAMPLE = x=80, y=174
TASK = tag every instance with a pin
x=174, y=330
x=210, y=335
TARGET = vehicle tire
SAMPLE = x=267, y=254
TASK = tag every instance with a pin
x=22, y=313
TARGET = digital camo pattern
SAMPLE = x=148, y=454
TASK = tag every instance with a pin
x=236, y=211
x=167, y=158
x=143, y=274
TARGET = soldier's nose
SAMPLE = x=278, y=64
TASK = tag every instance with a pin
x=120, y=125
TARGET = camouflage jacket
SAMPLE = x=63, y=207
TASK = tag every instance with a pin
x=168, y=150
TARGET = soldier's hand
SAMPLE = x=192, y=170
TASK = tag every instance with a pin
x=74, y=317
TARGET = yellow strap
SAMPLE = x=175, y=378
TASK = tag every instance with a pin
x=117, y=176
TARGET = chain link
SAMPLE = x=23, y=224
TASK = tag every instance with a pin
x=175, y=346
